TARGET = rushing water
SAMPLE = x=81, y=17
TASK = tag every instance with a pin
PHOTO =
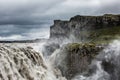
x=18, y=63
x=23, y=63
x=111, y=56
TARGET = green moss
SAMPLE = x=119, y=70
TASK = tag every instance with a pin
x=89, y=45
x=79, y=45
x=75, y=47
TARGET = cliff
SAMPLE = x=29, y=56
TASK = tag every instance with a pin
x=86, y=27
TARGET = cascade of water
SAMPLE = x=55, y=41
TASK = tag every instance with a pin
x=24, y=63
x=17, y=63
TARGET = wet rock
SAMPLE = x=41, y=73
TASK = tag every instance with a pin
x=76, y=58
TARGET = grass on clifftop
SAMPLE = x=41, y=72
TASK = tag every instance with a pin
x=76, y=46
x=104, y=35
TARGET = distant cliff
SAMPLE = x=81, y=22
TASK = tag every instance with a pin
x=82, y=27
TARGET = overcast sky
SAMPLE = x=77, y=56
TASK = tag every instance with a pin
x=30, y=19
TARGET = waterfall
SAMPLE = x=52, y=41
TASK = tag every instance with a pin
x=22, y=62
x=28, y=63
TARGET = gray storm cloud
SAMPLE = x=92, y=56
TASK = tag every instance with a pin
x=39, y=11
x=24, y=17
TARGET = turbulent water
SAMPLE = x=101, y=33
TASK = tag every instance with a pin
x=24, y=63
x=111, y=71
x=27, y=63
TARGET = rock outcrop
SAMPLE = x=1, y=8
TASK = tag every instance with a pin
x=75, y=58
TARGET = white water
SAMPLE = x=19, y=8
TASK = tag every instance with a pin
x=16, y=64
x=23, y=63
x=100, y=74
x=110, y=54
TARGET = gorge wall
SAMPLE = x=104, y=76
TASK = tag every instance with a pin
x=82, y=27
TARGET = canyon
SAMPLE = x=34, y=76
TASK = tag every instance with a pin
x=82, y=48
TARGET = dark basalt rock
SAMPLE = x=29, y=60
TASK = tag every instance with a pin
x=77, y=58
x=80, y=57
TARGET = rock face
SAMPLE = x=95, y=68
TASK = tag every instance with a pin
x=80, y=25
x=75, y=58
